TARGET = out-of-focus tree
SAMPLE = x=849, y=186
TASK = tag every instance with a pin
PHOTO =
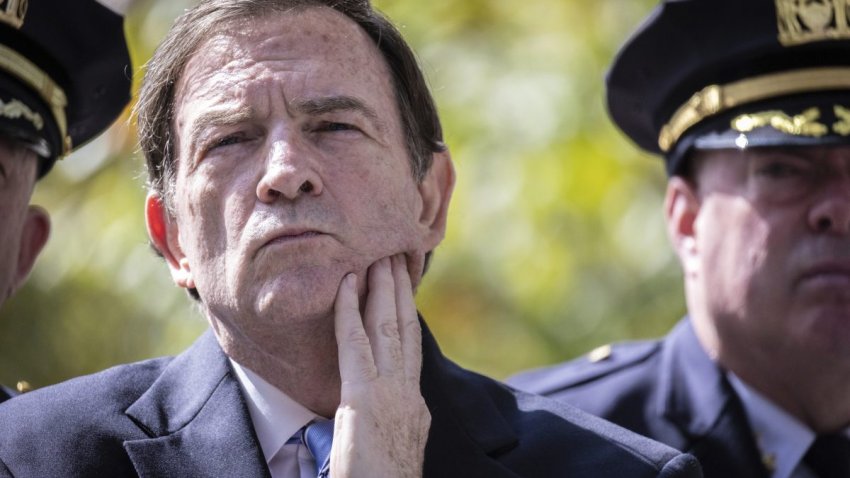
x=555, y=241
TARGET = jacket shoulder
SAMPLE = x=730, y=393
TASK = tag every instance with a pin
x=616, y=363
x=111, y=389
x=531, y=435
x=81, y=419
x=597, y=447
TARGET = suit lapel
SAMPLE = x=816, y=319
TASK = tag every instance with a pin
x=467, y=430
x=197, y=420
x=698, y=398
x=198, y=423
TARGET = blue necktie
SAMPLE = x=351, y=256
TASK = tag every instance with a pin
x=319, y=437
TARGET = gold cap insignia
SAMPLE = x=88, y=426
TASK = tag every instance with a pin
x=13, y=12
x=805, y=21
x=803, y=124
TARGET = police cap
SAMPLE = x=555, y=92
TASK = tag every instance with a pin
x=717, y=74
x=64, y=73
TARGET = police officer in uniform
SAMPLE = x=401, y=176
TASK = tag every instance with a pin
x=748, y=103
x=64, y=77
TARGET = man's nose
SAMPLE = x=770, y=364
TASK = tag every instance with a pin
x=291, y=171
x=831, y=213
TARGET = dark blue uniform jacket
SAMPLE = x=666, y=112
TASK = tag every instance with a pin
x=669, y=390
x=187, y=417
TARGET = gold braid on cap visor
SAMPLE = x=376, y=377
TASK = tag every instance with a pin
x=17, y=65
x=715, y=99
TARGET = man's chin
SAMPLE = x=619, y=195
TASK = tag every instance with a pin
x=296, y=302
x=825, y=328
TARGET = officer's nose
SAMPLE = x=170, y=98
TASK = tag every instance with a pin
x=831, y=212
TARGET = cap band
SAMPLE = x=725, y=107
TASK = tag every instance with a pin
x=26, y=71
x=714, y=99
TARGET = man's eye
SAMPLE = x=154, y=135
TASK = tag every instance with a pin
x=779, y=170
x=332, y=127
x=225, y=141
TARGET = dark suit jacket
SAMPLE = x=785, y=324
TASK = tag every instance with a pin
x=186, y=417
x=5, y=393
x=668, y=390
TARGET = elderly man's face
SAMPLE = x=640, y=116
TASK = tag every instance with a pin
x=770, y=252
x=23, y=229
x=292, y=169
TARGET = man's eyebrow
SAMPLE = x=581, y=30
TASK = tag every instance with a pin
x=217, y=117
x=329, y=104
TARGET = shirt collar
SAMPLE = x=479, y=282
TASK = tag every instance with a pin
x=276, y=417
x=781, y=438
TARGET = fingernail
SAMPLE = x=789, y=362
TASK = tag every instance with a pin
x=350, y=280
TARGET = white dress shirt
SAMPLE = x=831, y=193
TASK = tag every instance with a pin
x=276, y=418
x=782, y=439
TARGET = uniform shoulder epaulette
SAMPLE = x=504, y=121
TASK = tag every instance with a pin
x=598, y=363
x=611, y=358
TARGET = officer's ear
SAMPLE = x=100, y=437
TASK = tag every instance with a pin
x=681, y=208
x=34, y=236
x=164, y=234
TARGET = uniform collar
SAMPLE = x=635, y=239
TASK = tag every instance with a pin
x=695, y=396
x=782, y=439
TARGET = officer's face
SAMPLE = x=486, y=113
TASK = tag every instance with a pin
x=23, y=229
x=769, y=254
x=292, y=170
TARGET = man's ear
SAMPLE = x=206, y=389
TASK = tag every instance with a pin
x=436, y=193
x=34, y=236
x=681, y=208
x=164, y=234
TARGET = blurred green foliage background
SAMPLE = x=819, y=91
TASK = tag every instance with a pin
x=556, y=241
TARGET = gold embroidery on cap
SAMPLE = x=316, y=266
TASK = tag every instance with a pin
x=715, y=99
x=804, y=21
x=14, y=109
x=702, y=104
x=842, y=126
x=16, y=64
x=13, y=12
x=803, y=124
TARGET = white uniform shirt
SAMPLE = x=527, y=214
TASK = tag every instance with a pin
x=276, y=418
x=782, y=439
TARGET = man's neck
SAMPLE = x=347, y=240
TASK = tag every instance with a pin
x=815, y=397
x=301, y=361
x=812, y=387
